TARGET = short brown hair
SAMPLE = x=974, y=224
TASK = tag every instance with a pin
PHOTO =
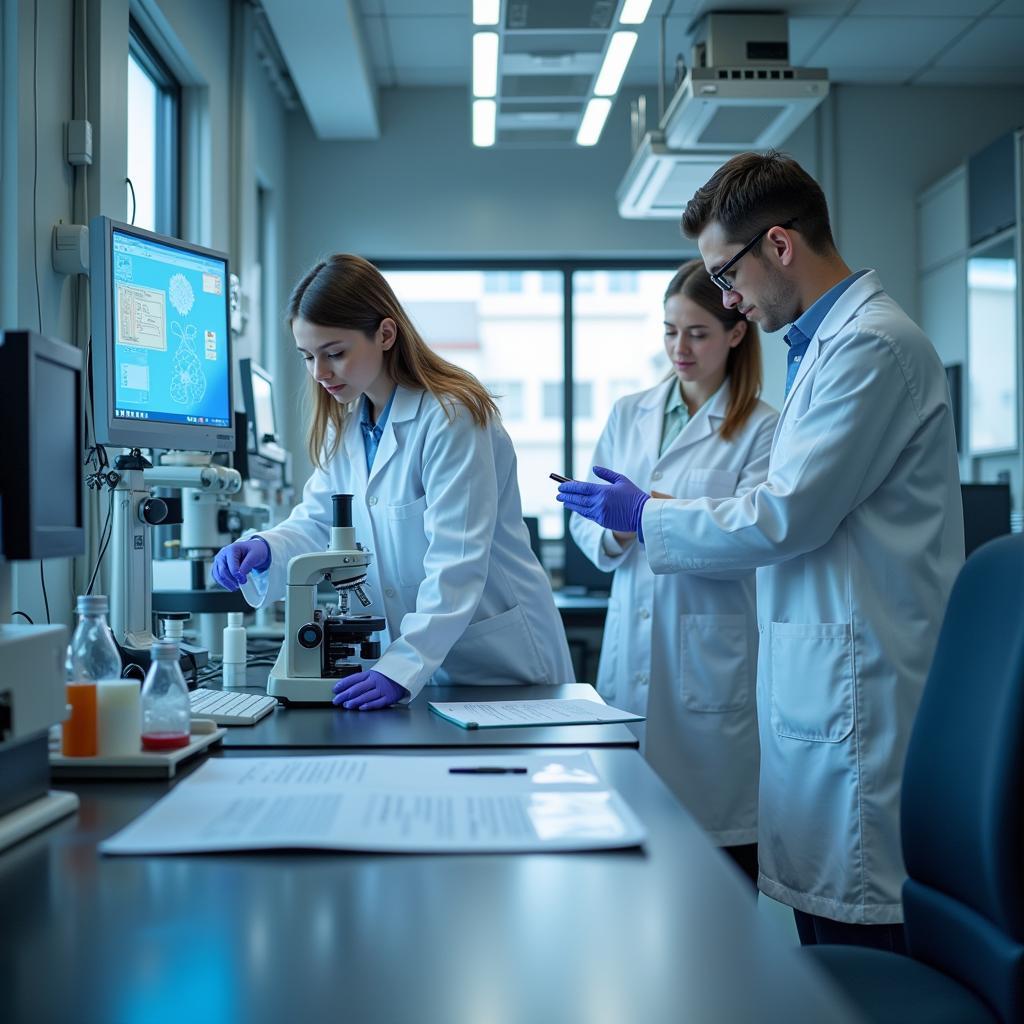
x=743, y=367
x=349, y=292
x=754, y=191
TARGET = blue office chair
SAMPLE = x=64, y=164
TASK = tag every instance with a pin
x=962, y=820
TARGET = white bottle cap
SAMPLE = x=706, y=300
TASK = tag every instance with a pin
x=234, y=618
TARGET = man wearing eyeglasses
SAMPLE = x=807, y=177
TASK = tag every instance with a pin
x=857, y=535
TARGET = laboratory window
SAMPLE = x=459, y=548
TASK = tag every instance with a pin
x=153, y=136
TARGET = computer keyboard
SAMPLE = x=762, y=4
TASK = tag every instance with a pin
x=228, y=707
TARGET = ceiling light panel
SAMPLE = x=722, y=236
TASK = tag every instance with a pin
x=485, y=63
x=620, y=49
x=484, y=116
x=485, y=12
x=593, y=121
x=634, y=12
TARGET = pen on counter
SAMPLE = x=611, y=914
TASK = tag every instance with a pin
x=488, y=770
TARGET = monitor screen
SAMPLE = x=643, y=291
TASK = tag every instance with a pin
x=161, y=341
x=170, y=333
x=986, y=513
x=263, y=408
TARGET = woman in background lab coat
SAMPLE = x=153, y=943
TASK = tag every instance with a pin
x=420, y=445
x=682, y=649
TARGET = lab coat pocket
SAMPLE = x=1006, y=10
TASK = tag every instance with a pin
x=714, y=672
x=812, y=680
x=496, y=650
x=409, y=540
x=707, y=483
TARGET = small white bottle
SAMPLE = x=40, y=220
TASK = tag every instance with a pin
x=234, y=651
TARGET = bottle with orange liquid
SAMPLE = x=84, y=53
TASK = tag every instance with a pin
x=166, y=712
x=92, y=660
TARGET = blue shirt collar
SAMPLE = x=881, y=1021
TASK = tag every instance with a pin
x=365, y=417
x=811, y=319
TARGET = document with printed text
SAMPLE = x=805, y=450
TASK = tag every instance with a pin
x=491, y=714
x=511, y=803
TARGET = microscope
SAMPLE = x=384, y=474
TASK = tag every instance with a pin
x=319, y=647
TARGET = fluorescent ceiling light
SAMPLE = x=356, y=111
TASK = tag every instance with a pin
x=633, y=12
x=615, y=60
x=593, y=122
x=485, y=113
x=485, y=12
x=485, y=64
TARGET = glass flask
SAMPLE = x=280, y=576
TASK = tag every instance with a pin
x=166, y=712
x=92, y=659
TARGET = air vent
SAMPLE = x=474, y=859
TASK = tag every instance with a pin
x=546, y=14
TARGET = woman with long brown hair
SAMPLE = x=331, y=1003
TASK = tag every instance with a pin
x=419, y=443
x=682, y=649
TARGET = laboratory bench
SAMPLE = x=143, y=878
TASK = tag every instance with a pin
x=669, y=932
x=414, y=725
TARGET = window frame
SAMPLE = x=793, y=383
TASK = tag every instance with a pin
x=567, y=267
x=167, y=162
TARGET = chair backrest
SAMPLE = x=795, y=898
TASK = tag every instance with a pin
x=963, y=787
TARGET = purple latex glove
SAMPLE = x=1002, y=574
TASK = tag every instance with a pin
x=617, y=505
x=237, y=560
x=368, y=691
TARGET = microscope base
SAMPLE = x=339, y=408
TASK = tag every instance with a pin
x=306, y=690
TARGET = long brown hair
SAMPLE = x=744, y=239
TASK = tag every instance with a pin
x=349, y=292
x=743, y=367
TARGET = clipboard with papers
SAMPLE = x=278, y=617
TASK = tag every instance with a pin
x=496, y=714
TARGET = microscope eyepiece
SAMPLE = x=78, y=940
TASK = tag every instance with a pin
x=342, y=509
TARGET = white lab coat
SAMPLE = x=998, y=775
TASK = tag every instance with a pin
x=859, y=529
x=464, y=597
x=682, y=649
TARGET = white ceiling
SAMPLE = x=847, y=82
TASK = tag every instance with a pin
x=907, y=42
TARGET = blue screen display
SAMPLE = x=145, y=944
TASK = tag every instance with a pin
x=170, y=333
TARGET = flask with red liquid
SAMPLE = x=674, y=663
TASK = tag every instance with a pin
x=166, y=713
x=92, y=660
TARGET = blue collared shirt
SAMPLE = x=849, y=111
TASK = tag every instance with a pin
x=372, y=431
x=803, y=329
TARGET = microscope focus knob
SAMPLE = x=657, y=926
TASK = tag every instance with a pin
x=310, y=636
x=153, y=511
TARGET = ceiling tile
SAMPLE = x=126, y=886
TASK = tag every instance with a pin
x=804, y=36
x=992, y=43
x=428, y=8
x=972, y=76
x=1010, y=7
x=885, y=42
x=405, y=77
x=915, y=8
x=432, y=43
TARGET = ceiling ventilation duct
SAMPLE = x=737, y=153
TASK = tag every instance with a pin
x=740, y=93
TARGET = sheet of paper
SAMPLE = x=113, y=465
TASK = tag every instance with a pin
x=494, y=713
x=389, y=804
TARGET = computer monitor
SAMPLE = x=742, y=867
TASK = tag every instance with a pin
x=258, y=399
x=41, y=464
x=161, y=344
x=986, y=513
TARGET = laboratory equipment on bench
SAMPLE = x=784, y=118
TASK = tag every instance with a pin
x=105, y=713
x=166, y=711
x=41, y=516
x=319, y=646
x=229, y=707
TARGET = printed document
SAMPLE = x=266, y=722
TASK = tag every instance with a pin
x=512, y=803
x=490, y=714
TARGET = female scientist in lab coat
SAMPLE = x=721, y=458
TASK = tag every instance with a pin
x=682, y=650
x=419, y=443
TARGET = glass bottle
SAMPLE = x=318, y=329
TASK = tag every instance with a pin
x=92, y=659
x=166, y=712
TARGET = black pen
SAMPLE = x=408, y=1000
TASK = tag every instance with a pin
x=487, y=771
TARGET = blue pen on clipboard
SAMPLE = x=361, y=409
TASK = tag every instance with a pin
x=487, y=770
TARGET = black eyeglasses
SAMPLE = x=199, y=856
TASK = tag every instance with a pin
x=720, y=277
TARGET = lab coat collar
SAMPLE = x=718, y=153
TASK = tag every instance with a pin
x=405, y=407
x=864, y=288
x=704, y=421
